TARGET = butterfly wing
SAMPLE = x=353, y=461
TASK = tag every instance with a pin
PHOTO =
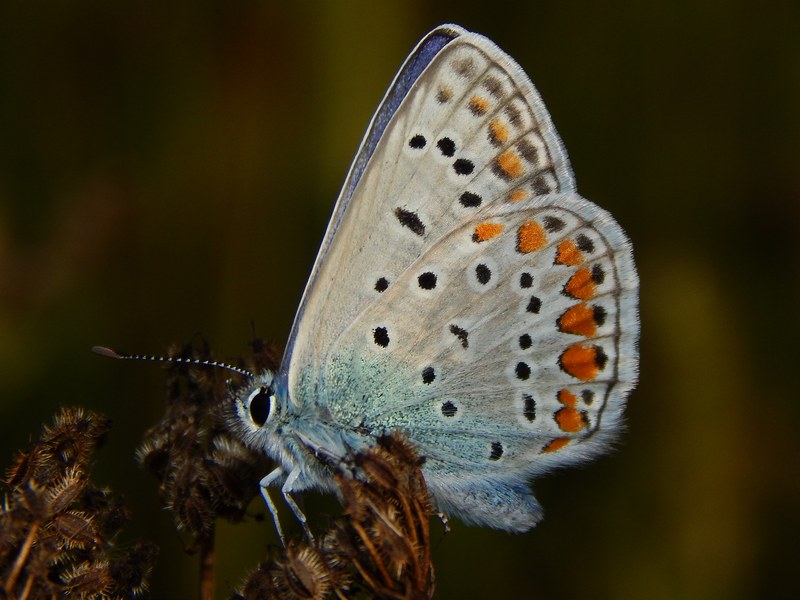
x=465, y=293
x=421, y=78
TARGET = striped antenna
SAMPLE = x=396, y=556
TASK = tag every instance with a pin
x=103, y=351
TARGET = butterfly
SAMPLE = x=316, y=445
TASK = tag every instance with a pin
x=464, y=294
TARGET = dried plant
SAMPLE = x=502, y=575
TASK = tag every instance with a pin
x=204, y=472
x=380, y=549
x=57, y=529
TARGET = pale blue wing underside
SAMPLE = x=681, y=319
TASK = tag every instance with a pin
x=464, y=292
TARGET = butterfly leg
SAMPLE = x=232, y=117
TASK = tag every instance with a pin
x=264, y=484
x=445, y=521
x=287, y=489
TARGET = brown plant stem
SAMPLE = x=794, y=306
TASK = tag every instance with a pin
x=21, y=558
x=207, y=556
x=27, y=589
x=365, y=539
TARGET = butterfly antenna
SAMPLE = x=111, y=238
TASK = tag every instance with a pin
x=108, y=352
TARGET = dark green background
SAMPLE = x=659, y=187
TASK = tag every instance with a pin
x=167, y=170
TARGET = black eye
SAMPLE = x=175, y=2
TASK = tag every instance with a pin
x=259, y=406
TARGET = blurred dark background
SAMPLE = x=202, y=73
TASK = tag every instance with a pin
x=167, y=171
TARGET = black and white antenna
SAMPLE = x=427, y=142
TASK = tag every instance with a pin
x=103, y=351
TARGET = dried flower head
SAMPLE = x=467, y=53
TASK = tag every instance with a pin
x=204, y=473
x=57, y=529
x=381, y=548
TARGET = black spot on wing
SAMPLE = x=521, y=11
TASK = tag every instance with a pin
x=599, y=315
x=427, y=281
x=446, y=146
x=553, y=224
x=381, y=336
x=470, y=200
x=483, y=274
x=463, y=166
x=462, y=334
x=449, y=409
x=411, y=220
x=598, y=274
x=417, y=142
x=522, y=370
x=534, y=306
x=525, y=341
x=584, y=243
x=497, y=451
x=529, y=407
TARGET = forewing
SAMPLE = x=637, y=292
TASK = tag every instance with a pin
x=461, y=130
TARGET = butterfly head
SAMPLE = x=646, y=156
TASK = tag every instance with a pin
x=256, y=404
x=258, y=407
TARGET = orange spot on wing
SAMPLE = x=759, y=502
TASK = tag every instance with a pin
x=581, y=285
x=530, y=237
x=568, y=418
x=568, y=254
x=583, y=361
x=444, y=94
x=509, y=164
x=567, y=398
x=498, y=132
x=486, y=231
x=578, y=319
x=556, y=444
x=519, y=194
x=478, y=105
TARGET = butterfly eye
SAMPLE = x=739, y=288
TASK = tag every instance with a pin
x=260, y=403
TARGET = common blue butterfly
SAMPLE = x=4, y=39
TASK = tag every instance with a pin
x=464, y=293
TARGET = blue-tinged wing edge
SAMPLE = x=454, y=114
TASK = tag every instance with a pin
x=427, y=49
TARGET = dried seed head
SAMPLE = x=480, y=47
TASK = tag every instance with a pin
x=305, y=573
x=87, y=579
x=56, y=528
x=203, y=472
x=382, y=548
x=65, y=491
x=74, y=529
x=131, y=572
